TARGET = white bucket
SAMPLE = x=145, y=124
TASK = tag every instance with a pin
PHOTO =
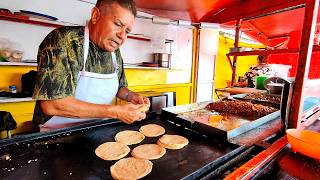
x=281, y=70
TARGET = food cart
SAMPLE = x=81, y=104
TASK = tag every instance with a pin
x=258, y=149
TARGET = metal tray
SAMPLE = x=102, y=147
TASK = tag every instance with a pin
x=196, y=117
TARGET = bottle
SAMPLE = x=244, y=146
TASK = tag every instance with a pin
x=13, y=89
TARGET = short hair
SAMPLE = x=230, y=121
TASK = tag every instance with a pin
x=262, y=59
x=128, y=4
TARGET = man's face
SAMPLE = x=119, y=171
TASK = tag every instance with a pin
x=112, y=27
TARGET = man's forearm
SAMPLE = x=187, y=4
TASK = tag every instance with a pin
x=71, y=107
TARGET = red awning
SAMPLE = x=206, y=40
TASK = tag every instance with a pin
x=271, y=30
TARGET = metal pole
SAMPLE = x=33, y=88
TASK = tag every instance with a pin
x=308, y=30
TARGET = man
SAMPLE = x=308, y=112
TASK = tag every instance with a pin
x=80, y=71
x=261, y=69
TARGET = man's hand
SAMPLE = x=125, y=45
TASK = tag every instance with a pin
x=129, y=113
x=136, y=98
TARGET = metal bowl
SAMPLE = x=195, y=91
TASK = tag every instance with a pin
x=274, y=85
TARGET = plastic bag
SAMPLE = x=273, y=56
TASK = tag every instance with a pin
x=10, y=51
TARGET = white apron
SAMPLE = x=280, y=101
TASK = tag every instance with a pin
x=91, y=87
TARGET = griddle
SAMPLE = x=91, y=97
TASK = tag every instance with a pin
x=69, y=153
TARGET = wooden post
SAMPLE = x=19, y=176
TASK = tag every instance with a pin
x=236, y=45
x=195, y=63
x=308, y=30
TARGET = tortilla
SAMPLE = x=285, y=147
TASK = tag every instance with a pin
x=148, y=151
x=152, y=130
x=172, y=141
x=129, y=137
x=131, y=168
x=144, y=107
x=112, y=151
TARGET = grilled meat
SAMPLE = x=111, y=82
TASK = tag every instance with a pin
x=241, y=108
x=264, y=97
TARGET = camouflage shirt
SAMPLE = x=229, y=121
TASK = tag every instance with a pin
x=60, y=58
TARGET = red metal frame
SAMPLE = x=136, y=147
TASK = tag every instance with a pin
x=236, y=45
x=247, y=9
x=266, y=52
x=305, y=50
x=230, y=62
x=308, y=31
x=251, y=167
x=248, y=170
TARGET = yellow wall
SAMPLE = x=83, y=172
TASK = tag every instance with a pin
x=137, y=77
x=155, y=80
x=22, y=113
x=223, y=69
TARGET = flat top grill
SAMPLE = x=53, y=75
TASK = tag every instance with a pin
x=71, y=155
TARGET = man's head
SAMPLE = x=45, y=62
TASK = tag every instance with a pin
x=262, y=59
x=111, y=21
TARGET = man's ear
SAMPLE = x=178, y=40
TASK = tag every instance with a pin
x=95, y=15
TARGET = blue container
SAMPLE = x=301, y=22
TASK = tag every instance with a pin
x=13, y=89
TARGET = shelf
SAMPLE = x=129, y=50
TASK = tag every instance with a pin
x=266, y=52
x=142, y=67
x=144, y=38
x=17, y=64
x=11, y=100
x=139, y=37
x=30, y=20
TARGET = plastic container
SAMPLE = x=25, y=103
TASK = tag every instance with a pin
x=10, y=51
x=260, y=82
x=305, y=142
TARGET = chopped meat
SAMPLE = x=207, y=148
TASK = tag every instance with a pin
x=264, y=97
x=241, y=108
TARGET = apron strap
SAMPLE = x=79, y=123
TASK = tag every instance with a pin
x=114, y=61
x=85, y=46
